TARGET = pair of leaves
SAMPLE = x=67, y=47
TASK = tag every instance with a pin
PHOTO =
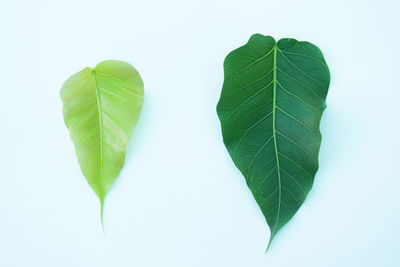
x=101, y=107
x=270, y=108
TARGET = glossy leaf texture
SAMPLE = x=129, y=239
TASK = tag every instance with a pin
x=101, y=107
x=270, y=109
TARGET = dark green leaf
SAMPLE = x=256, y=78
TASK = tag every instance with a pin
x=270, y=109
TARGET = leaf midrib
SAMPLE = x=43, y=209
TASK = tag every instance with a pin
x=101, y=144
x=275, y=142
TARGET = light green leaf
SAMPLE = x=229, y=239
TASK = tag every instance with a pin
x=270, y=109
x=101, y=107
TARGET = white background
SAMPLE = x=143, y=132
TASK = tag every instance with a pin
x=180, y=201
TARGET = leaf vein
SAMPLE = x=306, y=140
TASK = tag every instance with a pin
x=258, y=152
x=295, y=180
x=296, y=164
x=301, y=123
x=247, y=100
x=303, y=55
x=301, y=83
x=297, y=144
x=255, y=124
x=294, y=65
x=298, y=98
x=248, y=66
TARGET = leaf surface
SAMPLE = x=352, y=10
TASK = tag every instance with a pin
x=270, y=109
x=101, y=106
